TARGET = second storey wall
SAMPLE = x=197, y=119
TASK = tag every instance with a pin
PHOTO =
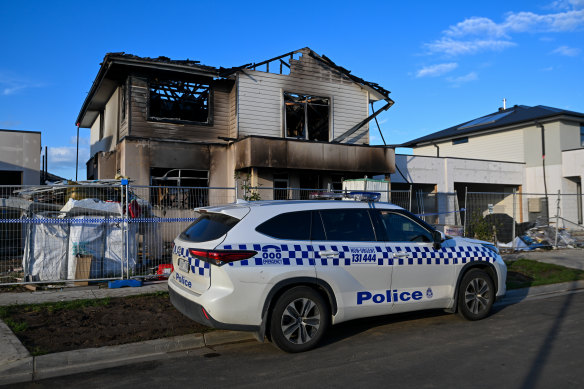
x=261, y=106
x=501, y=146
x=142, y=127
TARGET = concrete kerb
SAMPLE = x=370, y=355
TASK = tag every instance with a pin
x=17, y=365
x=29, y=368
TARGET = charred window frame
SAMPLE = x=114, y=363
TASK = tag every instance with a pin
x=307, y=117
x=179, y=188
x=178, y=101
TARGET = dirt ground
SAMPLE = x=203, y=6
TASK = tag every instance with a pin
x=102, y=323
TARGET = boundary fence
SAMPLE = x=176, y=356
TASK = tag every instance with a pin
x=82, y=233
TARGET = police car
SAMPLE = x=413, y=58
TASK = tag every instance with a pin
x=286, y=270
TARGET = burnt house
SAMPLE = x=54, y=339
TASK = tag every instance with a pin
x=297, y=120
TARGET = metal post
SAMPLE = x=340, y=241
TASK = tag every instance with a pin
x=514, y=217
x=410, y=199
x=557, y=219
x=123, y=209
x=465, y=210
x=127, y=234
x=77, y=154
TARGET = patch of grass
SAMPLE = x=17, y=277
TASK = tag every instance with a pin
x=36, y=351
x=523, y=273
x=16, y=326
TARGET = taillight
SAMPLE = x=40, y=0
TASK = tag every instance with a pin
x=221, y=257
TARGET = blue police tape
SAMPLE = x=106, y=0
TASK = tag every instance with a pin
x=69, y=220
x=439, y=213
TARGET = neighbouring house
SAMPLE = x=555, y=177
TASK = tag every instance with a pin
x=527, y=149
x=294, y=121
x=20, y=153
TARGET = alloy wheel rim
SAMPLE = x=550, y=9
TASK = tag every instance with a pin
x=477, y=295
x=300, y=321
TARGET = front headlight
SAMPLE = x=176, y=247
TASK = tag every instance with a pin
x=491, y=247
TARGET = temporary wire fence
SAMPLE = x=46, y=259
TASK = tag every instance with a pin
x=114, y=230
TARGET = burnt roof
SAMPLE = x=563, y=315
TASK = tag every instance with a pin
x=116, y=66
x=515, y=115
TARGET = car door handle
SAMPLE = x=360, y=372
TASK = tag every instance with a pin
x=401, y=255
x=328, y=253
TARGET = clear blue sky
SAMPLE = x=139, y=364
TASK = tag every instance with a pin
x=444, y=62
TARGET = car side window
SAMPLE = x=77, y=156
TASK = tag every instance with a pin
x=402, y=229
x=289, y=225
x=348, y=225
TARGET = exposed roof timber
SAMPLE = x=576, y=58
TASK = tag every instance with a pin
x=381, y=92
x=351, y=131
x=116, y=65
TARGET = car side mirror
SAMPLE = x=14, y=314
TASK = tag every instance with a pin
x=438, y=238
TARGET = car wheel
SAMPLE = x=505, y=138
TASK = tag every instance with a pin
x=476, y=295
x=299, y=320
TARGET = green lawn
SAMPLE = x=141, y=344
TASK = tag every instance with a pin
x=523, y=273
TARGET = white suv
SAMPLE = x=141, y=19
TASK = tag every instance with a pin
x=288, y=269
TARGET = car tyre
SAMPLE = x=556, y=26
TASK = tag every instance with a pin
x=476, y=295
x=299, y=320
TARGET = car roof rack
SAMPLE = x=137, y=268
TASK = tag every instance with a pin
x=354, y=195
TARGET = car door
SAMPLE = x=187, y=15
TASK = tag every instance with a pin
x=423, y=276
x=349, y=258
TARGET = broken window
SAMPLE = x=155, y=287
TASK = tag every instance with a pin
x=179, y=188
x=182, y=101
x=307, y=116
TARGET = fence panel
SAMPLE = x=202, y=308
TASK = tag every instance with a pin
x=62, y=233
x=111, y=231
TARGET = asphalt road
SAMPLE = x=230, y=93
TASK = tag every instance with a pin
x=534, y=344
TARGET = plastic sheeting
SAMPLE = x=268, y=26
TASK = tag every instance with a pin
x=51, y=250
x=45, y=252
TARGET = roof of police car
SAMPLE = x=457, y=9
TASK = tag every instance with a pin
x=301, y=204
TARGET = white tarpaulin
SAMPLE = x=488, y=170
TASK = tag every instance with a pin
x=45, y=252
x=91, y=207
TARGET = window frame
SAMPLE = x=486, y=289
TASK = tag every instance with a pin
x=210, y=103
x=305, y=105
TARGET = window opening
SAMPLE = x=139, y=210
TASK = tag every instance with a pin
x=307, y=116
x=179, y=188
x=458, y=141
x=281, y=186
x=582, y=135
x=179, y=101
x=337, y=182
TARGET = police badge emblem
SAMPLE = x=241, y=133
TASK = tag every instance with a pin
x=429, y=293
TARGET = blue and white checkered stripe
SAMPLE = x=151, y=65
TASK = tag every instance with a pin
x=198, y=267
x=301, y=255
